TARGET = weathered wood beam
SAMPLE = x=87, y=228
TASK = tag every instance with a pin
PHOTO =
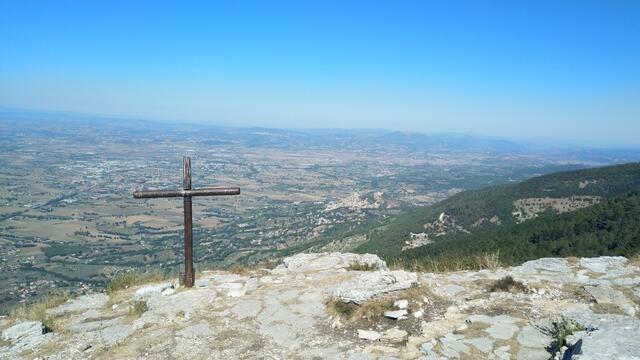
x=148, y=194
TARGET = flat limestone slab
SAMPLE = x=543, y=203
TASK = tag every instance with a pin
x=371, y=284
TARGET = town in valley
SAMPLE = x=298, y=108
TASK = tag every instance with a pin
x=68, y=221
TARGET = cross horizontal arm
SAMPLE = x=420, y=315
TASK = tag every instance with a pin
x=185, y=193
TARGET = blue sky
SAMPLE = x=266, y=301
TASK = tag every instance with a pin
x=518, y=69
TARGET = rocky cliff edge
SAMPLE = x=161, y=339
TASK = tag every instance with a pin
x=351, y=306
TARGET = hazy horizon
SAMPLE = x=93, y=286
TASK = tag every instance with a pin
x=534, y=142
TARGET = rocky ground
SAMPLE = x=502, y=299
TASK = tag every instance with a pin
x=322, y=306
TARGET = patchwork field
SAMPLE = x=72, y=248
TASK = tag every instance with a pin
x=68, y=220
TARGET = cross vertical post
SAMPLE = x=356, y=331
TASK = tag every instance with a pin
x=189, y=273
x=188, y=277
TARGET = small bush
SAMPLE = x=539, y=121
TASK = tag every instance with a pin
x=374, y=308
x=369, y=310
x=561, y=330
x=121, y=281
x=38, y=311
x=342, y=309
x=138, y=308
x=508, y=284
x=355, y=266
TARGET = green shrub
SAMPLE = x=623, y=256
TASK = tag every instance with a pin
x=508, y=284
x=561, y=330
x=342, y=309
x=355, y=266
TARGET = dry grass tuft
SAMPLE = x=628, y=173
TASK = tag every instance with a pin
x=126, y=280
x=375, y=308
x=118, y=351
x=4, y=342
x=341, y=309
x=247, y=268
x=607, y=308
x=138, y=308
x=573, y=260
x=489, y=261
x=635, y=260
x=38, y=311
x=415, y=294
x=351, y=312
x=269, y=264
x=355, y=266
x=121, y=281
x=475, y=329
x=240, y=270
x=508, y=284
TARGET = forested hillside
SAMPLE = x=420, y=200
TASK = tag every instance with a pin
x=607, y=223
x=611, y=227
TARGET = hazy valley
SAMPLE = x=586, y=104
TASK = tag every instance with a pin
x=68, y=221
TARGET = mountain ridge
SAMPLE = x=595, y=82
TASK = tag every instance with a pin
x=500, y=207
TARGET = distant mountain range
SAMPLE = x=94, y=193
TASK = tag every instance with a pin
x=307, y=139
x=576, y=213
x=458, y=142
x=70, y=124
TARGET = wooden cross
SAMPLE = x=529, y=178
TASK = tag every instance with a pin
x=186, y=193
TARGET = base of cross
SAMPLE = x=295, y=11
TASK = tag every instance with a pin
x=185, y=280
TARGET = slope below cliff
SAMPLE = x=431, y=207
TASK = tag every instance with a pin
x=590, y=212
